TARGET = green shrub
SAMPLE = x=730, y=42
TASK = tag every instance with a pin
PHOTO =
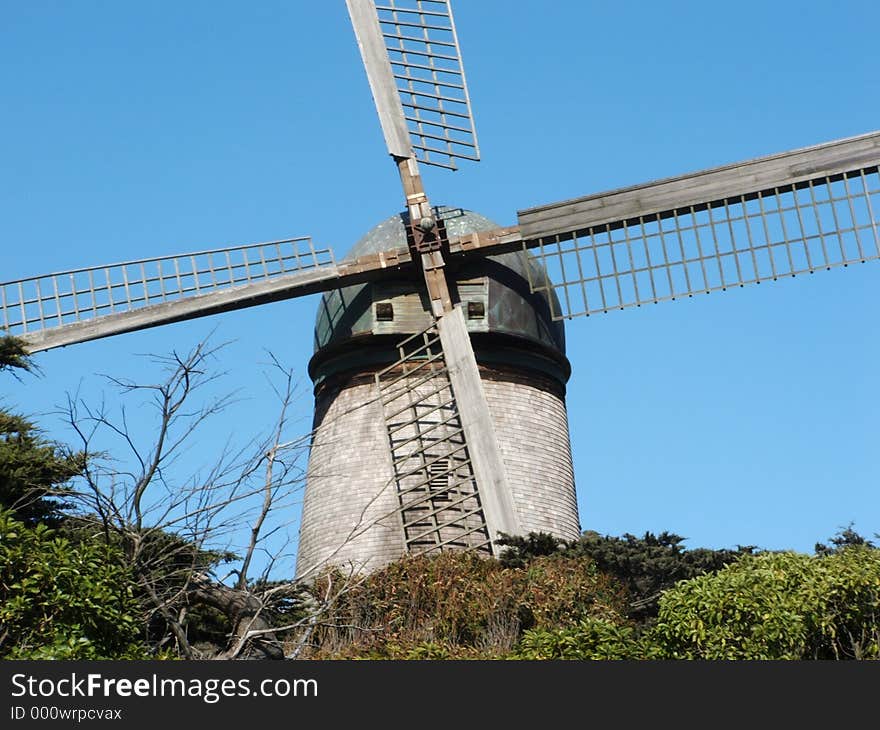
x=459, y=605
x=61, y=600
x=776, y=606
x=590, y=638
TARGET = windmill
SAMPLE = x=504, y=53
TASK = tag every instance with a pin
x=748, y=222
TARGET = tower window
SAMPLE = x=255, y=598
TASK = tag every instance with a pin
x=476, y=309
x=384, y=312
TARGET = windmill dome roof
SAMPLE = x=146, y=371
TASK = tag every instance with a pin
x=502, y=282
x=391, y=233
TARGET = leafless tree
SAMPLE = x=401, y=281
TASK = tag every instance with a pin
x=176, y=534
x=207, y=548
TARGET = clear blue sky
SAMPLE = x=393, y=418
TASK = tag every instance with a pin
x=137, y=129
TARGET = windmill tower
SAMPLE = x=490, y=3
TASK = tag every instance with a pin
x=440, y=365
x=389, y=472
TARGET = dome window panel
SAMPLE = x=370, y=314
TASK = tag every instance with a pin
x=384, y=312
x=476, y=309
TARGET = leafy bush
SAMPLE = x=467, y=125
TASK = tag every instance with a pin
x=590, y=638
x=458, y=605
x=651, y=564
x=645, y=565
x=777, y=606
x=60, y=600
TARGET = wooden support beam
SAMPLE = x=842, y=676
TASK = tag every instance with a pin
x=479, y=431
x=381, y=77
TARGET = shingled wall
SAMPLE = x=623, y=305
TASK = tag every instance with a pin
x=350, y=506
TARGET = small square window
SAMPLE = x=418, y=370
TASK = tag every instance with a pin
x=476, y=310
x=384, y=312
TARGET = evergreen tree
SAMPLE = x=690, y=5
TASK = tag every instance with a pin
x=34, y=472
x=60, y=598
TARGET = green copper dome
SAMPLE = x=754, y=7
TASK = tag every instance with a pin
x=502, y=313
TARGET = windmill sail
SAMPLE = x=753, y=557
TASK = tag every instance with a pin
x=783, y=215
x=411, y=54
x=84, y=304
x=450, y=479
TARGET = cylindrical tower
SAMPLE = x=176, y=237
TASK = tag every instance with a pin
x=351, y=511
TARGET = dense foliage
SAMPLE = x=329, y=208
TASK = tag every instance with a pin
x=33, y=472
x=61, y=597
x=646, y=565
x=63, y=600
x=459, y=605
x=14, y=355
x=549, y=600
x=777, y=606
